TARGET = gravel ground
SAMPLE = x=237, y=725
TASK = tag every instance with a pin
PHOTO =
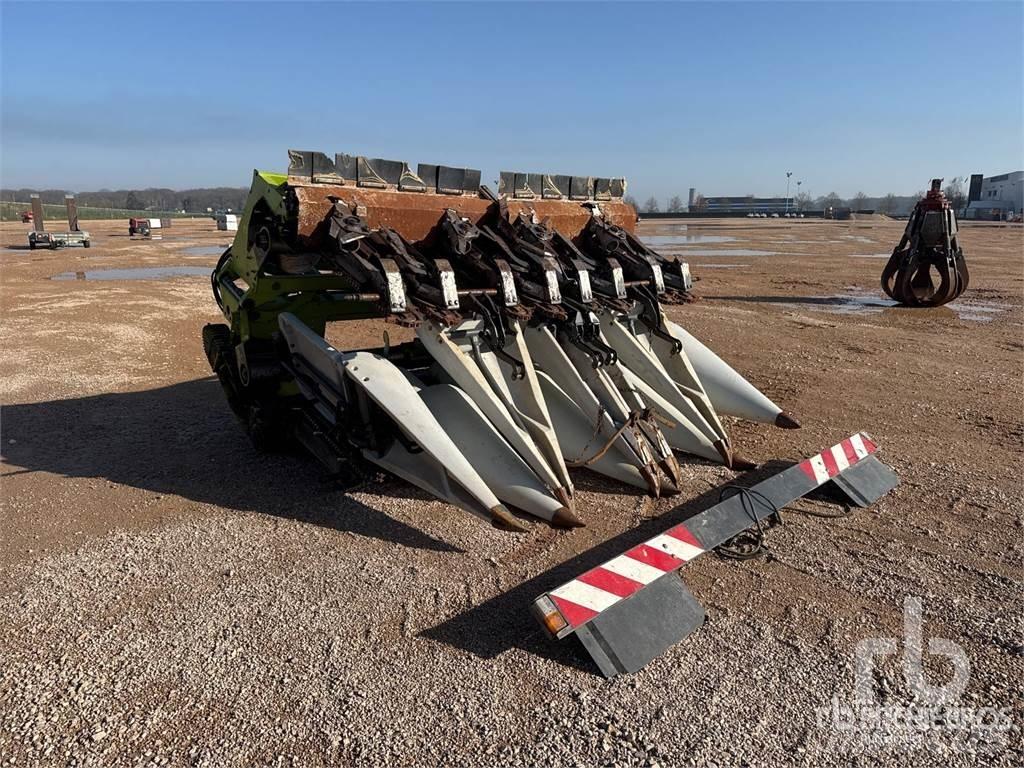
x=169, y=597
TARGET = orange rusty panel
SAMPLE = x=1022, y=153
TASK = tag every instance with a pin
x=412, y=214
x=570, y=217
x=415, y=214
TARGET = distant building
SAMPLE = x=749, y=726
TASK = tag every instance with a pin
x=749, y=204
x=997, y=197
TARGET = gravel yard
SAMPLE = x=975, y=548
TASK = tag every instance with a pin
x=170, y=597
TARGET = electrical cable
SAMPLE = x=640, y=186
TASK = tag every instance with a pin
x=748, y=544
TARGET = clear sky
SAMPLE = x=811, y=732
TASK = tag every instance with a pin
x=723, y=97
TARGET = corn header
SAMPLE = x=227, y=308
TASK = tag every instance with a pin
x=538, y=345
x=541, y=342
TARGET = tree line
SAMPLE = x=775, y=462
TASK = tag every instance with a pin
x=198, y=200
x=151, y=199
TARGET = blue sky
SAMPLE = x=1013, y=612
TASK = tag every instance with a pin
x=722, y=97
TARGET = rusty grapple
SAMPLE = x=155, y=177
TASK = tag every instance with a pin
x=929, y=251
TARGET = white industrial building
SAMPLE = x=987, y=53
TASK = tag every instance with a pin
x=1000, y=197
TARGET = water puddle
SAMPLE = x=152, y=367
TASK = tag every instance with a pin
x=137, y=273
x=870, y=255
x=873, y=304
x=204, y=250
x=846, y=304
x=977, y=312
x=662, y=240
x=722, y=252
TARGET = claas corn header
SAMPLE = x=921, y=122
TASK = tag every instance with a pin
x=541, y=343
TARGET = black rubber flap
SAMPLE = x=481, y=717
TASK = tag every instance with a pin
x=581, y=188
x=368, y=176
x=634, y=631
x=554, y=187
x=471, y=183
x=428, y=172
x=347, y=166
x=300, y=163
x=535, y=181
x=522, y=188
x=324, y=169
x=507, y=183
x=866, y=481
x=388, y=170
x=410, y=182
x=450, y=181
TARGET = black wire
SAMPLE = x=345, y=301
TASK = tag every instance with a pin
x=844, y=509
x=748, y=544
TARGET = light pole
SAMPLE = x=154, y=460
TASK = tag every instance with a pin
x=798, y=188
x=788, y=174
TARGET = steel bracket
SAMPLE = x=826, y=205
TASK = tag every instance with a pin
x=618, y=281
x=507, y=283
x=449, y=290
x=583, y=279
x=394, y=286
x=554, y=295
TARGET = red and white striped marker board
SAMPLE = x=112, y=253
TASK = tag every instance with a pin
x=596, y=590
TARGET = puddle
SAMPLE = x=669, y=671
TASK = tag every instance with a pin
x=873, y=304
x=723, y=252
x=870, y=255
x=205, y=250
x=139, y=273
x=847, y=304
x=160, y=234
x=656, y=240
x=978, y=313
